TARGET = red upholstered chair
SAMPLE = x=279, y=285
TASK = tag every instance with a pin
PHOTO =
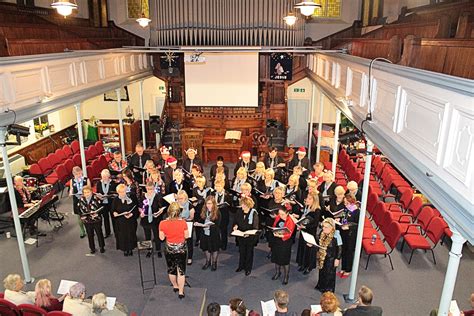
x=54, y=159
x=68, y=151
x=91, y=173
x=35, y=170
x=31, y=310
x=100, y=147
x=372, y=200
x=60, y=153
x=405, y=200
x=1, y=295
x=8, y=309
x=75, y=147
x=77, y=160
x=415, y=207
x=45, y=166
x=69, y=164
x=425, y=217
x=89, y=155
x=103, y=163
x=58, y=313
x=392, y=236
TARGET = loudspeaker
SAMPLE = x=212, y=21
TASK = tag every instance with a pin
x=155, y=123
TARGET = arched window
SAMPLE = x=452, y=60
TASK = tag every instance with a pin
x=329, y=9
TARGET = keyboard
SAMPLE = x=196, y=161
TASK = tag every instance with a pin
x=30, y=211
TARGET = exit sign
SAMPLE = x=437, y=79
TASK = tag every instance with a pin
x=300, y=90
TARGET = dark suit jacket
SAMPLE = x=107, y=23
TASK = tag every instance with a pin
x=251, y=168
x=364, y=311
x=214, y=171
x=187, y=164
x=304, y=164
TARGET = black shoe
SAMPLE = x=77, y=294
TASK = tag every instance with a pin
x=206, y=265
x=148, y=254
x=130, y=253
x=175, y=290
x=41, y=234
x=285, y=279
x=307, y=271
x=159, y=254
x=247, y=273
x=82, y=236
x=92, y=251
x=238, y=269
x=276, y=276
x=102, y=250
x=181, y=296
x=300, y=268
x=196, y=243
x=125, y=253
x=214, y=266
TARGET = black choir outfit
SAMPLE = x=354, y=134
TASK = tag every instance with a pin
x=304, y=163
x=158, y=184
x=90, y=213
x=138, y=161
x=306, y=256
x=213, y=172
x=269, y=216
x=150, y=222
x=167, y=175
x=107, y=188
x=246, y=222
x=175, y=187
x=116, y=167
x=224, y=203
x=249, y=166
x=188, y=165
x=210, y=239
x=126, y=237
x=281, y=247
x=272, y=163
x=161, y=164
x=186, y=215
x=327, y=272
x=334, y=208
x=133, y=191
x=200, y=196
x=350, y=218
x=77, y=185
x=236, y=187
x=255, y=179
x=326, y=191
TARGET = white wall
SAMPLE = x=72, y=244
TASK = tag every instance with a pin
x=108, y=109
x=117, y=10
x=320, y=28
x=329, y=113
x=391, y=8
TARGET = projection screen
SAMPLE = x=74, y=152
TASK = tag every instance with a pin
x=223, y=79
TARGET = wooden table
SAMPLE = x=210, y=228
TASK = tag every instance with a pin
x=230, y=151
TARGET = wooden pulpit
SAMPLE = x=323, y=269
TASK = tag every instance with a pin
x=192, y=137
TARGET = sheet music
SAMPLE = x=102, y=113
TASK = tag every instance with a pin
x=225, y=310
x=310, y=239
x=190, y=228
x=454, y=308
x=279, y=229
x=268, y=308
x=316, y=309
x=205, y=225
x=64, y=286
x=240, y=233
x=169, y=198
x=111, y=302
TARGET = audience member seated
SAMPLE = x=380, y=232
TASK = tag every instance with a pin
x=13, y=284
x=213, y=309
x=470, y=312
x=282, y=300
x=45, y=299
x=238, y=308
x=364, y=306
x=99, y=307
x=329, y=305
x=74, y=303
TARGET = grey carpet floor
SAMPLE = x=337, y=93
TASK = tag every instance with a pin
x=408, y=290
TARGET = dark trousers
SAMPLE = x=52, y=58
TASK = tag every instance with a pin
x=148, y=230
x=106, y=216
x=224, y=228
x=190, y=246
x=246, y=247
x=97, y=228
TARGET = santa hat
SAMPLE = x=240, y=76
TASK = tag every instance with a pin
x=301, y=150
x=245, y=154
x=171, y=160
x=191, y=149
x=164, y=150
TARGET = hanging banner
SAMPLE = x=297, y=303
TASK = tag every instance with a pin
x=281, y=66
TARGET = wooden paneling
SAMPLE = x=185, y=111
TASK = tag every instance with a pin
x=192, y=137
x=431, y=29
x=373, y=48
x=44, y=146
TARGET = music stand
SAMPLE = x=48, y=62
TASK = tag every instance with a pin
x=147, y=246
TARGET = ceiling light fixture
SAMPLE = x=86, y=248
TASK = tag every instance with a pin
x=307, y=7
x=143, y=20
x=64, y=7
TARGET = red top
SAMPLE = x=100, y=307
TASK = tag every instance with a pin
x=174, y=230
x=289, y=223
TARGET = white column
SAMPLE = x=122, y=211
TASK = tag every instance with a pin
x=311, y=111
x=320, y=125
x=16, y=219
x=119, y=109
x=335, y=150
x=360, y=228
x=451, y=273
x=142, y=114
x=80, y=134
